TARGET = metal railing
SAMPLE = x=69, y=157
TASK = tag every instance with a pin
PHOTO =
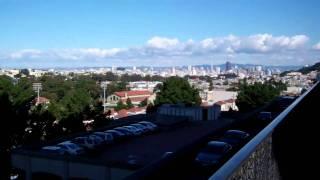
x=234, y=163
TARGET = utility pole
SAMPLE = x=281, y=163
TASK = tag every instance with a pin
x=104, y=86
x=37, y=87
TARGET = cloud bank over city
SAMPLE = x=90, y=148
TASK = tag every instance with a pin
x=163, y=51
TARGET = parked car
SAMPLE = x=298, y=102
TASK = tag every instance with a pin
x=71, y=148
x=265, y=116
x=125, y=131
x=213, y=153
x=53, y=150
x=136, y=131
x=106, y=137
x=235, y=137
x=149, y=124
x=86, y=142
x=117, y=135
x=143, y=128
x=97, y=139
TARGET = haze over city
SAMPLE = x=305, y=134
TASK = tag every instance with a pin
x=37, y=34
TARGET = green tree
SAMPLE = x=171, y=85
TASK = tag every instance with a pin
x=143, y=103
x=129, y=103
x=177, y=90
x=210, y=85
x=258, y=94
x=120, y=106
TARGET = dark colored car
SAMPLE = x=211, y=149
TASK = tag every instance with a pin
x=213, y=154
x=235, y=137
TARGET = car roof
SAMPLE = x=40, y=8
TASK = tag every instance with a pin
x=66, y=142
x=217, y=143
x=236, y=131
x=51, y=147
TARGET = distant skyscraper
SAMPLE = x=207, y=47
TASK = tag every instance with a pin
x=228, y=66
x=114, y=69
x=173, y=71
x=194, y=71
x=218, y=70
x=259, y=68
x=134, y=68
x=189, y=69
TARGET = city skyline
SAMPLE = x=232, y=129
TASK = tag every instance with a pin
x=167, y=33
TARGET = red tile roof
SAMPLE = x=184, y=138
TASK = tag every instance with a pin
x=122, y=113
x=132, y=93
x=136, y=109
x=135, y=99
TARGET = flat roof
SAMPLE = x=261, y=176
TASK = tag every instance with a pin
x=137, y=152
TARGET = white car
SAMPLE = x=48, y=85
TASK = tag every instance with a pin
x=107, y=137
x=71, y=148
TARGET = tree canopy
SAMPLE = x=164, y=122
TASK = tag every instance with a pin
x=257, y=94
x=177, y=90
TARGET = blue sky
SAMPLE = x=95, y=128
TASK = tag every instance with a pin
x=98, y=32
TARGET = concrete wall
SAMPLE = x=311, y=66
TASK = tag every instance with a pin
x=260, y=165
x=66, y=169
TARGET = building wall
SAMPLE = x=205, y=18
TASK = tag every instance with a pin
x=195, y=113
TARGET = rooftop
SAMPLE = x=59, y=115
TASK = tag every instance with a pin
x=137, y=152
x=132, y=93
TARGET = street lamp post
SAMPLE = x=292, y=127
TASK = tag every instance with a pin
x=37, y=87
x=104, y=86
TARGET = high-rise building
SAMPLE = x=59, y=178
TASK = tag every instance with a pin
x=113, y=69
x=173, y=71
x=189, y=69
x=218, y=70
x=228, y=66
x=259, y=68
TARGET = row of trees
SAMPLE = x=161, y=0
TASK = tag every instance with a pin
x=109, y=76
x=72, y=99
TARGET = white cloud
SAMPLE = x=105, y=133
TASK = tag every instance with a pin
x=316, y=46
x=171, y=49
x=162, y=42
x=26, y=53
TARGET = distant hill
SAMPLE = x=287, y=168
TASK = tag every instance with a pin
x=305, y=70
